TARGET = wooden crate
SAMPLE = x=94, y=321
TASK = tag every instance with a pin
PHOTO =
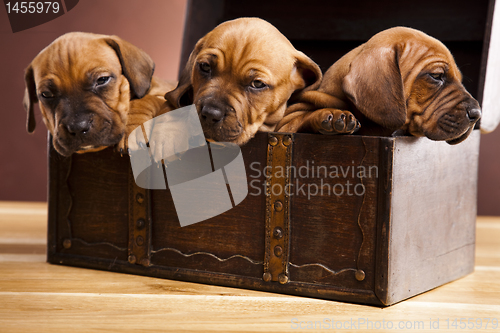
x=365, y=219
x=410, y=230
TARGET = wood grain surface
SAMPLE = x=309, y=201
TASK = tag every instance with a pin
x=39, y=297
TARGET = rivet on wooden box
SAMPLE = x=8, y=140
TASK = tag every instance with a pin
x=67, y=243
x=132, y=259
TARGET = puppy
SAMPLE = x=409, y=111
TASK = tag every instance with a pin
x=240, y=76
x=93, y=90
x=400, y=80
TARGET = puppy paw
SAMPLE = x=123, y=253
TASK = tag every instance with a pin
x=130, y=140
x=168, y=145
x=333, y=121
x=167, y=137
x=135, y=138
x=121, y=147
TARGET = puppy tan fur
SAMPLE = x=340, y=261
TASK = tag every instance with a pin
x=401, y=79
x=93, y=90
x=240, y=76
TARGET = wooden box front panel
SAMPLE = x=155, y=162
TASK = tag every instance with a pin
x=334, y=210
x=88, y=205
x=365, y=238
x=231, y=243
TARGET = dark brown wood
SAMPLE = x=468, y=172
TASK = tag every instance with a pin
x=339, y=221
x=485, y=51
x=212, y=278
x=345, y=242
x=358, y=20
x=139, y=242
x=91, y=200
x=386, y=151
x=371, y=220
x=326, y=30
x=201, y=17
x=54, y=189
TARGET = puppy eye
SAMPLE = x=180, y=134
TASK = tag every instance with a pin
x=437, y=76
x=258, y=84
x=205, y=67
x=47, y=94
x=103, y=80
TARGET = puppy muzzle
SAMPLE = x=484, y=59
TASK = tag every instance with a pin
x=473, y=114
x=85, y=132
x=79, y=126
x=219, y=121
x=212, y=115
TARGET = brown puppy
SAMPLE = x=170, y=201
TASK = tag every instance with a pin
x=93, y=90
x=401, y=79
x=240, y=77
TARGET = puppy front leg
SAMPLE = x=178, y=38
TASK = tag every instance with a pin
x=140, y=111
x=324, y=121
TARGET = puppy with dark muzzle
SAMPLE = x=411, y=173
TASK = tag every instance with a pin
x=240, y=76
x=401, y=81
x=93, y=90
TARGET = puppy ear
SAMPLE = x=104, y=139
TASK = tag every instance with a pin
x=182, y=95
x=308, y=74
x=375, y=85
x=137, y=65
x=30, y=98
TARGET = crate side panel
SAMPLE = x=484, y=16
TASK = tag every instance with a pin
x=432, y=234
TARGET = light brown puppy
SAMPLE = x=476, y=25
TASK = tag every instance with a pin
x=93, y=91
x=401, y=79
x=240, y=76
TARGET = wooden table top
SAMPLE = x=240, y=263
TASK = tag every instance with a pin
x=39, y=297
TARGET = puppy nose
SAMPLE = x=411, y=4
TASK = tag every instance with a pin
x=212, y=114
x=474, y=114
x=79, y=127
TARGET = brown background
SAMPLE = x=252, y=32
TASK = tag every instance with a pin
x=154, y=25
